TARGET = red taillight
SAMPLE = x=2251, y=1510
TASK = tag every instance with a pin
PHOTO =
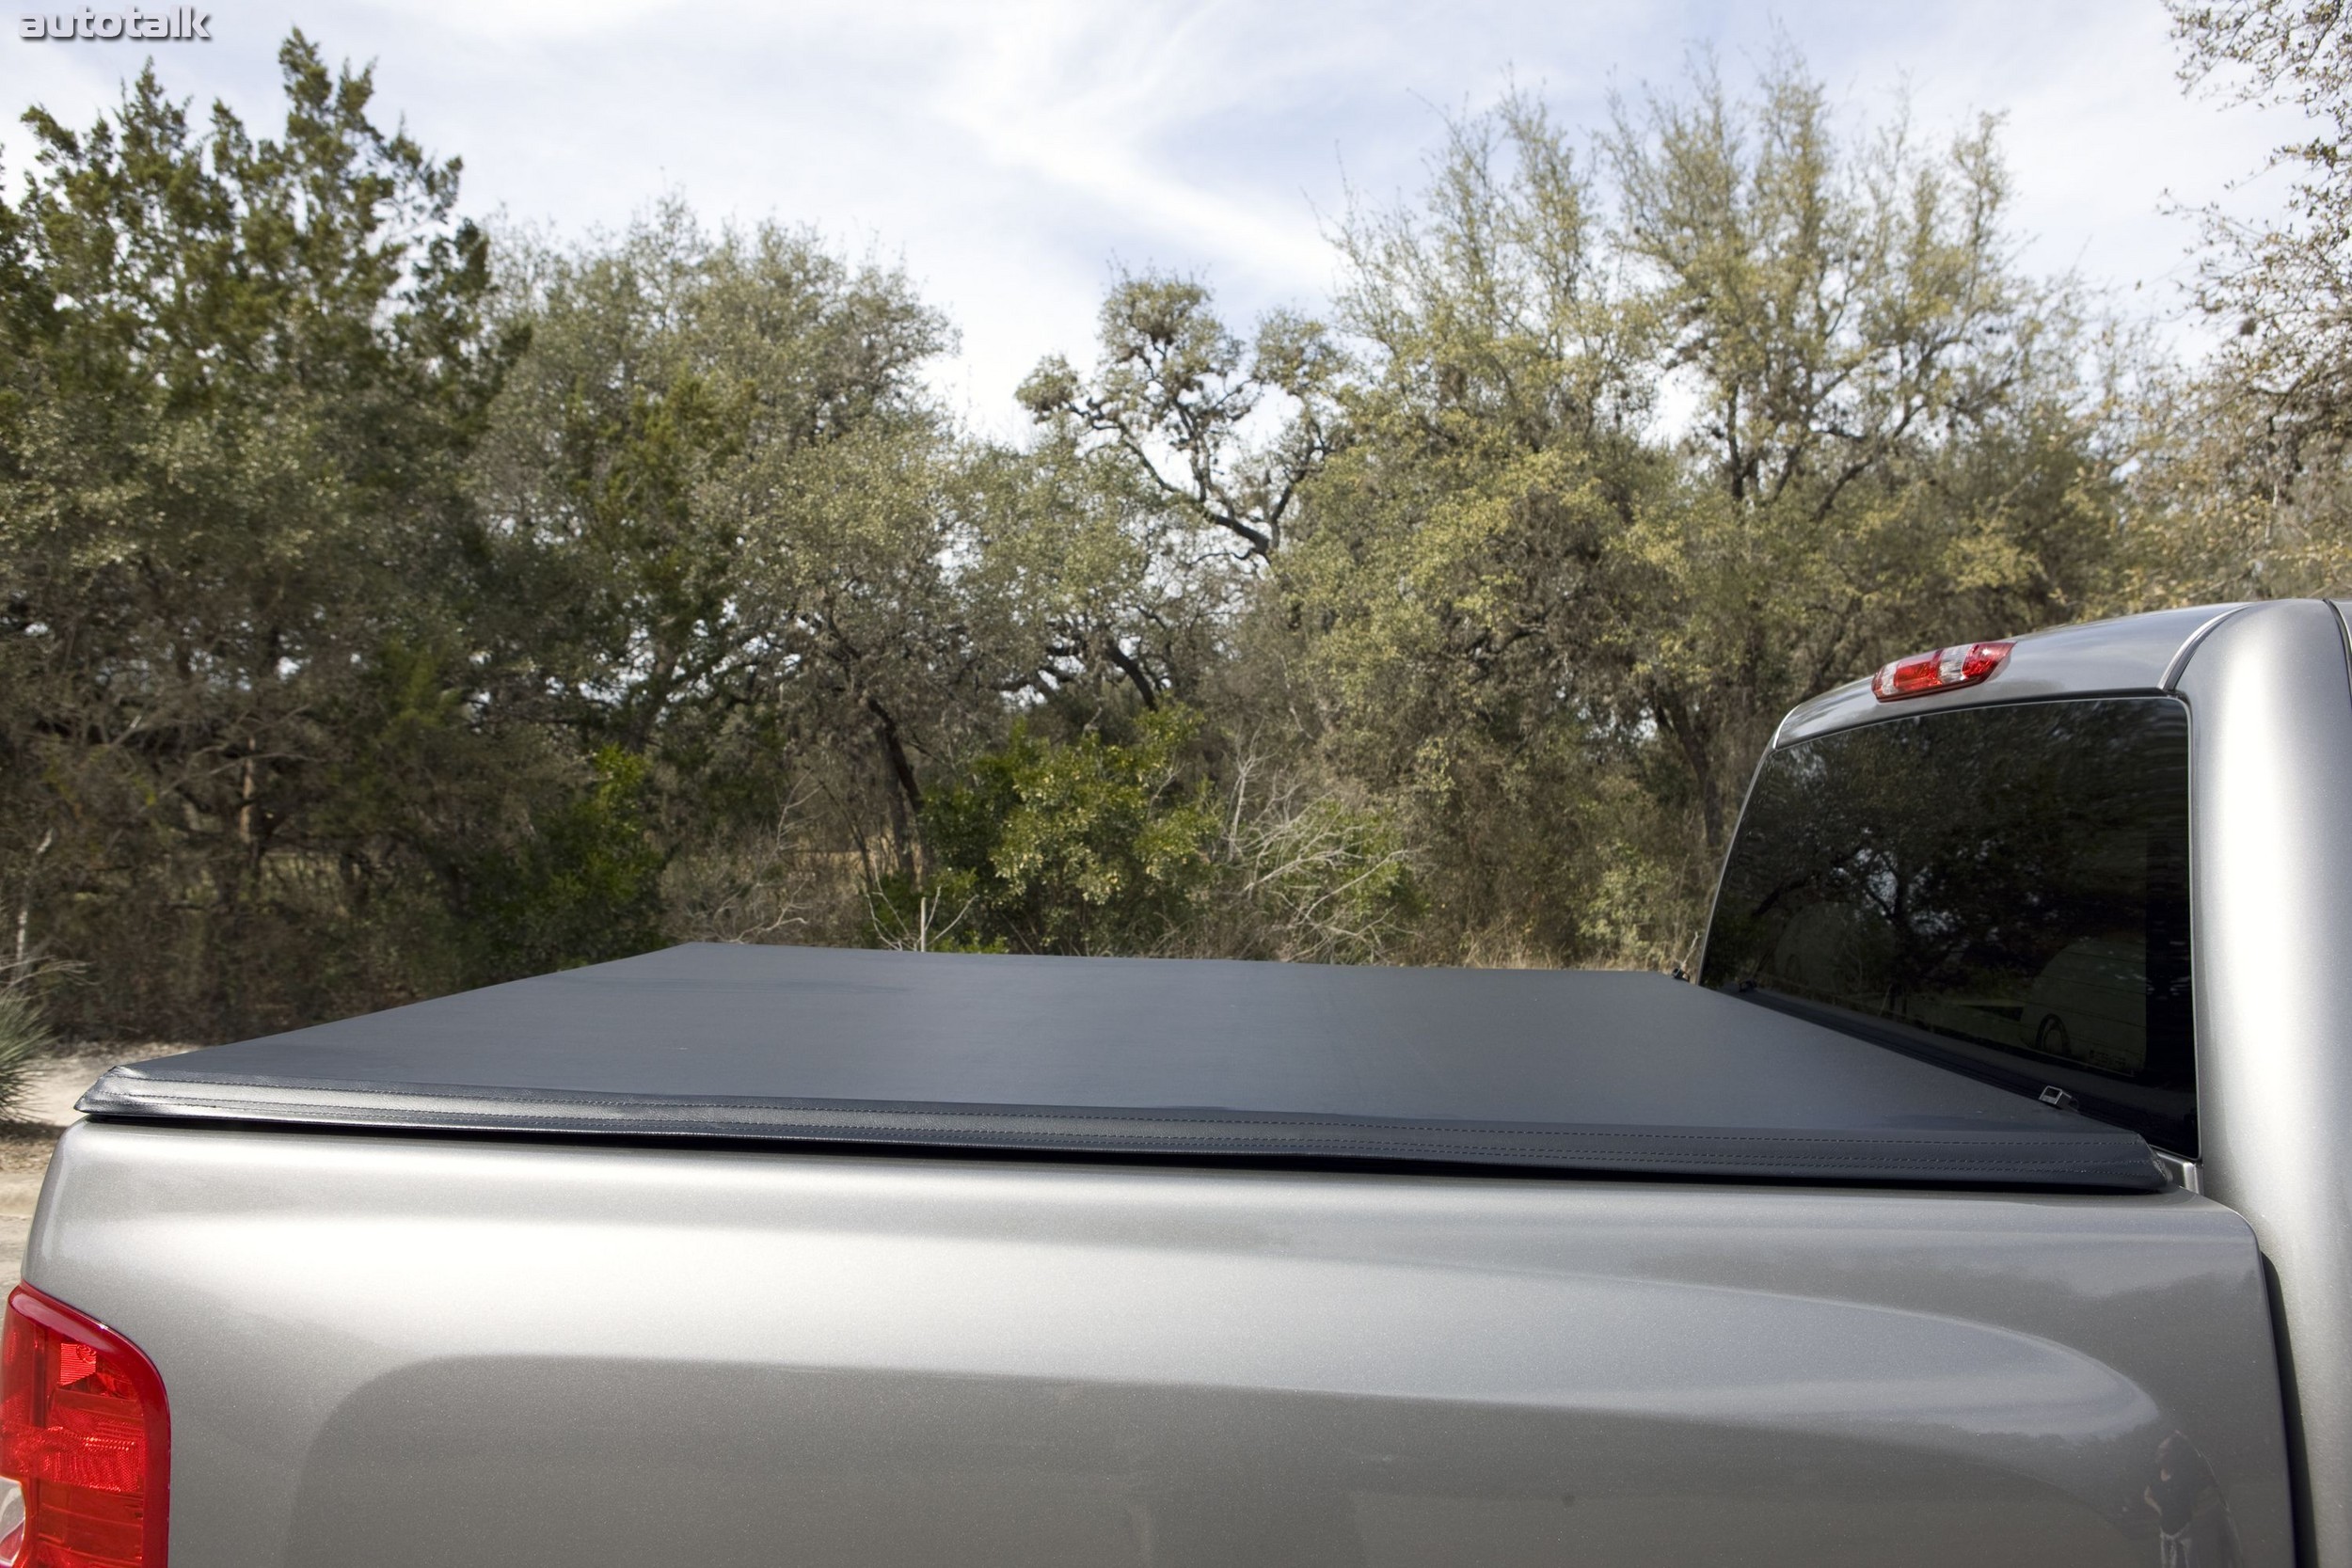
x=1938, y=669
x=84, y=1443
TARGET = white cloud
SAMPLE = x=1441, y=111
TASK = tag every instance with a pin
x=1013, y=151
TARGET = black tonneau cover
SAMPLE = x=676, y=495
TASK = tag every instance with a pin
x=1578, y=1070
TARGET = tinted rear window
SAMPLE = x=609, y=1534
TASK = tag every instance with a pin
x=2004, y=888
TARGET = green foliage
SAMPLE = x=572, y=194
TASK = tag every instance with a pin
x=1313, y=875
x=2244, y=488
x=582, y=887
x=718, y=510
x=347, y=595
x=1172, y=394
x=241, y=374
x=1093, y=845
x=24, y=1038
x=1558, y=627
x=1088, y=846
x=383, y=609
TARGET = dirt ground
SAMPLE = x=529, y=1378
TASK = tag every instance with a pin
x=27, y=1141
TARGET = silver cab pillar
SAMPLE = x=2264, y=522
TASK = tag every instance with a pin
x=2270, y=703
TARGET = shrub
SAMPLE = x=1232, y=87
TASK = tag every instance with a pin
x=24, y=1038
x=1084, y=846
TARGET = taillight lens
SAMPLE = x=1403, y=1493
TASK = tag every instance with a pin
x=84, y=1443
x=1938, y=669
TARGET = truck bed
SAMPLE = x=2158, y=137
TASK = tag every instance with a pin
x=1585, y=1071
x=477, y=1353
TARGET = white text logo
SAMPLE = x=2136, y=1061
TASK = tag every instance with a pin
x=185, y=22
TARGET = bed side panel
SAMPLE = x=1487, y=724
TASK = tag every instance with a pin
x=387, y=1351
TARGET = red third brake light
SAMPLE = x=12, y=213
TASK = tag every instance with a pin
x=1938, y=669
x=84, y=1443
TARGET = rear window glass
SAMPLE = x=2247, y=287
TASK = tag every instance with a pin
x=2003, y=888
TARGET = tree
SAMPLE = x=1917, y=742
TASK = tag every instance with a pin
x=242, y=377
x=1854, y=331
x=1174, y=393
x=1084, y=846
x=1099, y=844
x=383, y=609
x=721, y=515
x=1647, y=446
x=2248, y=477
x=2289, y=287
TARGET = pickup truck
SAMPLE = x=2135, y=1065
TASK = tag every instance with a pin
x=1984, y=1201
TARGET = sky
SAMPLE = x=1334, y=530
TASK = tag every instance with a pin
x=1013, y=155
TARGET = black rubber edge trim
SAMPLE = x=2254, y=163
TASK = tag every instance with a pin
x=2103, y=1160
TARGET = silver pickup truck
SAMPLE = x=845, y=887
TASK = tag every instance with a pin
x=1983, y=1202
